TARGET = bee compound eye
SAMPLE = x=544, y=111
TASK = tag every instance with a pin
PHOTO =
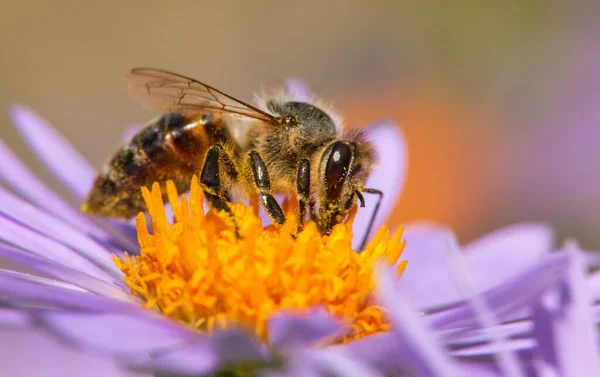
x=337, y=167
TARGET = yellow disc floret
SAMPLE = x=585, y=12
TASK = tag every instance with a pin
x=196, y=271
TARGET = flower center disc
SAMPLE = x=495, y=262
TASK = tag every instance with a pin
x=197, y=272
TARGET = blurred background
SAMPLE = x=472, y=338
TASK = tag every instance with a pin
x=500, y=102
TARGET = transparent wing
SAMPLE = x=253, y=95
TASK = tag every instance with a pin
x=165, y=91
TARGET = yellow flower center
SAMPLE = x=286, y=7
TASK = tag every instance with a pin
x=197, y=272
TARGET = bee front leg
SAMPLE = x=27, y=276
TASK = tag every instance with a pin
x=216, y=163
x=303, y=191
x=263, y=185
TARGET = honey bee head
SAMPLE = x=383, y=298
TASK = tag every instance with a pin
x=343, y=170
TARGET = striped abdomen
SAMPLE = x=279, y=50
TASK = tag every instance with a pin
x=172, y=147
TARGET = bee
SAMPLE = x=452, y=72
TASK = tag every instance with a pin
x=281, y=146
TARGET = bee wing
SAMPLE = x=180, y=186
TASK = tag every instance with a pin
x=165, y=91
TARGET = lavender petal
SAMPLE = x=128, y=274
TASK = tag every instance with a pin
x=523, y=347
x=23, y=181
x=462, y=338
x=492, y=260
x=298, y=89
x=292, y=331
x=31, y=353
x=507, y=252
x=120, y=335
x=478, y=369
x=594, y=284
x=523, y=328
x=565, y=329
x=38, y=244
x=507, y=361
x=47, y=225
x=388, y=177
x=428, y=358
x=384, y=351
x=29, y=292
x=506, y=301
x=335, y=363
x=221, y=349
x=427, y=283
x=13, y=318
x=54, y=151
x=65, y=274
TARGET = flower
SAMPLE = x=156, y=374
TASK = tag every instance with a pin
x=503, y=305
x=87, y=288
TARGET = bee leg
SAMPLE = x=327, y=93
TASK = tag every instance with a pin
x=210, y=180
x=263, y=184
x=303, y=191
x=311, y=209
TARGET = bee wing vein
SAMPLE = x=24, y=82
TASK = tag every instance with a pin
x=166, y=91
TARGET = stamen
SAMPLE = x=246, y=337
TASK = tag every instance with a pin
x=198, y=272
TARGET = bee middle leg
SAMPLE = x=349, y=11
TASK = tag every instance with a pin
x=216, y=164
x=263, y=184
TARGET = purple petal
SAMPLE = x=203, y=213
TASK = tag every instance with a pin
x=543, y=331
x=507, y=361
x=512, y=345
x=492, y=260
x=93, y=322
x=336, y=363
x=65, y=274
x=507, y=252
x=38, y=244
x=386, y=352
x=120, y=335
x=292, y=331
x=130, y=132
x=47, y=225
x=26, y=291
x=474, y=336
x=565, y=329
x=24, y=182
x=520, y=329
x=478, y=369
x=13, y=318
x=594, y=285
x=298, y=89
x=388, y=177
x=506, y=301
x=54, y=151
x=427, y=283
x=187, y=360
x=428, y=358
x=31, y=353
x=225, y=348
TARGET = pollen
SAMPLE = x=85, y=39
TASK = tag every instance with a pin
x=195, y=270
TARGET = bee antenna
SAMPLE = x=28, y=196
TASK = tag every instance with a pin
x=361, y=198
x=379, y=193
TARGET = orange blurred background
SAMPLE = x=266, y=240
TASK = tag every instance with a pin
x=498, y=101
